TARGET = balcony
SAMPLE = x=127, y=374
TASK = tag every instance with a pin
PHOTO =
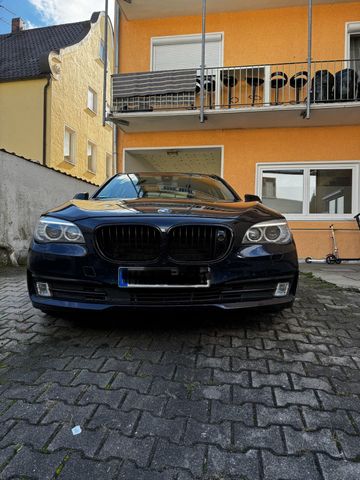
x=144, y=9
x=252, y=96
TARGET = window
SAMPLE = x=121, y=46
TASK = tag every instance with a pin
x=92, y=100
x=69, y=145
x=184, y=51
x=353, y=45
x=283, y=190
x=91, y=156
x=330, y=191
x=109, y=165
x=355, y=52
x=313, y=190
x=102, y=50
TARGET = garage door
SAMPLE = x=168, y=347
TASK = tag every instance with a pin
x=184, y=51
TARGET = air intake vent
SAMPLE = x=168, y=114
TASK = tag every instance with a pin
x=199, y=243
x=129, y=243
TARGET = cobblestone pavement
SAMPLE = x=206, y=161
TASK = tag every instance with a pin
x=217, y=397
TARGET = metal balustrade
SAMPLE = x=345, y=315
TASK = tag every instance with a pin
x=254, y=86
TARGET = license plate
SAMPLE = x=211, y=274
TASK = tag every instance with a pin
x=167, y=277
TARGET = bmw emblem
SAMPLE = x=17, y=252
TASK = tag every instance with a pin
x=164, y=210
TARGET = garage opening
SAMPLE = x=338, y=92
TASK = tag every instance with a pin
x=187, y=160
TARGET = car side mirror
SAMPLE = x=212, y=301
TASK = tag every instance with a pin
x=82, y=196
x=252, y=198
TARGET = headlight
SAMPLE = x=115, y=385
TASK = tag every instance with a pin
x=50, y=230
x=273, y=231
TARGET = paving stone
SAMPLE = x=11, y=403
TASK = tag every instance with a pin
x=213, y=362
x=258, y=365
x=73, y=414
x=282, y=367
x=334, y=402
x=95, y=395
x=99, y=379
x=301, y=383
x=258, y=437
x=350, y=445
x=254, y=395
x=219, y=434
x=127, y=448
x=239, y=378
x=306, y=397
x=338, y=419
x=113, y=419
x=338, y=469
x=187, y=374
x=171, y=455
x=237, y=413
x=62, y=378
x=320, y=441
x=289, y=467
x=197, y=409
x=23, y=433
x=124, y=381
x=77, y=468
x=130, y=471
x=29, y=463
x=199, y=401
x=59, y=392
x=23, y=392
x=264, y=379
x=148, y=369
x=19, y=410
x=238, y=465
x=219, y=392
x=289, y=415
x=116, y=365
x=87, y=441
x=160, y=427
x=151, y=403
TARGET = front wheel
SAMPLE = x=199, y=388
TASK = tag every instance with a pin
x=331, y=259
x=308, y=260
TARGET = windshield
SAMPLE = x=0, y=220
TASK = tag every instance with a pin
x=198, y=187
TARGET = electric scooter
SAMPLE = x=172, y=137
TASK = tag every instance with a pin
x=334, y=258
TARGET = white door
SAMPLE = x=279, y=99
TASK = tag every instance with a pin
x=184, y=51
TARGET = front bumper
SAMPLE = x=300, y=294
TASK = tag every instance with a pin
x=81, y=280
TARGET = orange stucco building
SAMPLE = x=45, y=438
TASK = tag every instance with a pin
x=258, y=86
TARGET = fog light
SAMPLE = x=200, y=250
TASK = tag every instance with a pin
x=282, y=289
x=43, y=289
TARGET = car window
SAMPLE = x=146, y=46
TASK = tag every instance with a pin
x=199, y=187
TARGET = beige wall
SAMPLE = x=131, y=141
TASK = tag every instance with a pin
x=81, y=68
x=21, y=118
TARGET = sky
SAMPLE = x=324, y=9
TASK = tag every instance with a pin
x=40, y=13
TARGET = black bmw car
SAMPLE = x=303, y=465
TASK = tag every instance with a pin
x=162, y=240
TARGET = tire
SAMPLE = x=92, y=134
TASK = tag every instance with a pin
x=331, y=259
x=308, y=259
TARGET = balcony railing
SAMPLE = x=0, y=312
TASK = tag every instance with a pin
x=240, y=87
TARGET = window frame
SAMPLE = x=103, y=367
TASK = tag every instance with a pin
x=351, y=28
x=94, y=155
x=72, y=160
x=307, y=167
x=95, y=101
x=102, y=49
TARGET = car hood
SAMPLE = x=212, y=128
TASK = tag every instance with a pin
x=82, y=209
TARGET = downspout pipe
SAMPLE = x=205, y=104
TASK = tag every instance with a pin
x=105, y=60
x=45, y=110
x=203, y=59
x=117, y=69
x=309, y=60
